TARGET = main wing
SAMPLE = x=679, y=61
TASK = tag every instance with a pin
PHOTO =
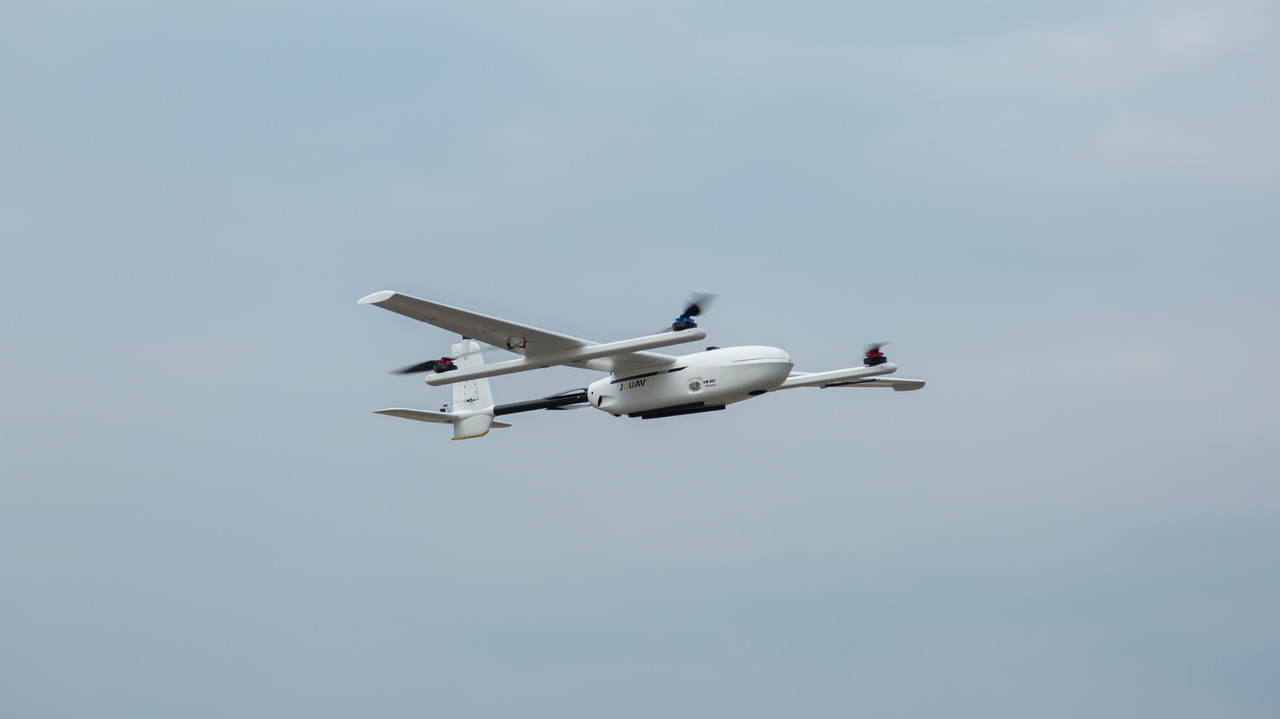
x=898, y=385
x=524, y=340
x=865, y=376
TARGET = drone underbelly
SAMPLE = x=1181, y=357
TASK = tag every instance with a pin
x=709, y=379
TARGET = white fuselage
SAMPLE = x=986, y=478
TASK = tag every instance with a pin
x=703, y=380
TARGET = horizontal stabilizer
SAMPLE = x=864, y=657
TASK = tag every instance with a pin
x=420, y=414
x=465, y=426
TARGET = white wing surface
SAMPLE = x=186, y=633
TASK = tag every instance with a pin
x=521, y=339
x=852, y=377
x=466, y=425
x=421, y=415
x=898, y=385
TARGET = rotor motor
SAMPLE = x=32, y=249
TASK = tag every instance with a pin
x=875, y=355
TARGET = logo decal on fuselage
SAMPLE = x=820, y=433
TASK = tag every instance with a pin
x=637, y=380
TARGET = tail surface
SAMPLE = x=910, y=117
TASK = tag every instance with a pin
x=471, y=395
x=475, y=393
x=472, y=414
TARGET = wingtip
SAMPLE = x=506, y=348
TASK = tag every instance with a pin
x=376, y=297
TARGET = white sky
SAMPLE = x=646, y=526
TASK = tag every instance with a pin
x=1063, y=214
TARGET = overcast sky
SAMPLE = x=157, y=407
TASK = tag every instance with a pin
x=1064, y=215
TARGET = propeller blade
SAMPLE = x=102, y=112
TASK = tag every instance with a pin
x=430, y=365
x=427, y=366
x=698, y=304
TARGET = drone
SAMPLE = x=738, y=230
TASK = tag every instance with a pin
x=640, y=383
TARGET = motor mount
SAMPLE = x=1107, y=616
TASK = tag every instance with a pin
x=695, y=307
x=875, y=356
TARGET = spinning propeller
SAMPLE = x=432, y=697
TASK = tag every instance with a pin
x=444, y=364
x=697, y=304
x=874, y=356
